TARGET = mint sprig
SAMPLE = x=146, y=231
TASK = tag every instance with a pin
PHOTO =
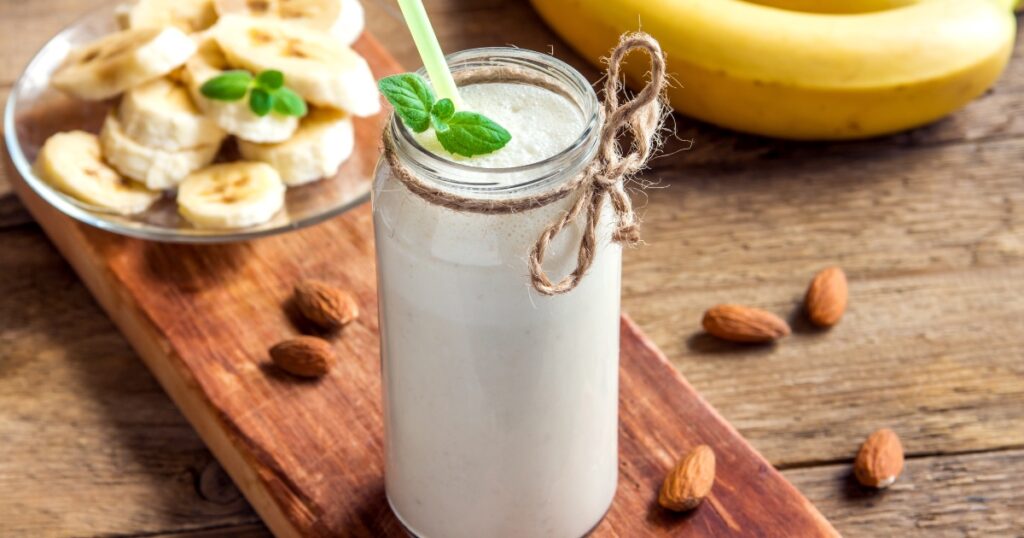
x=267, y=92
x=412, y=98
x=461, y=133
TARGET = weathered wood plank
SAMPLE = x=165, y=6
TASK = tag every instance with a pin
x=255, y=530
x=90, y=442
x=880, y=211
x=931, y=346
x=975, y=495
x=25, y=25
x=37, y=276
x=12, y=213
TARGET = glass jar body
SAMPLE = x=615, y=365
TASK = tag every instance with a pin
x=501, y=404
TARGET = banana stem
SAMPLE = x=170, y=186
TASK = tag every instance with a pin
x=430, y=49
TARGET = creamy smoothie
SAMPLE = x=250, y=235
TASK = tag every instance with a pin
x=501, y=403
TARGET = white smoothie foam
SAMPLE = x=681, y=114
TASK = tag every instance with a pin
x=501, y=404
x=542, y=123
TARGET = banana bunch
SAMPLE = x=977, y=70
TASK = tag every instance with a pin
x=163, y=133
x=835, y=6
x=807, y=69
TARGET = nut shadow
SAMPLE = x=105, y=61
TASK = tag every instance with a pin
x=667, y=520
x=800, y=323
x=706, y=344
x=299, y=322
x=273, y=372
x=851, y=490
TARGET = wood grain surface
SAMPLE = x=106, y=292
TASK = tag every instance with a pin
x=928, y=224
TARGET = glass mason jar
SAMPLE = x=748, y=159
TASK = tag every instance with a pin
x=501, y=404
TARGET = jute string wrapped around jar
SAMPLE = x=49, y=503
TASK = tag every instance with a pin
x=640, y=116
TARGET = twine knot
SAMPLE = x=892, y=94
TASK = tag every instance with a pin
x=640, y=117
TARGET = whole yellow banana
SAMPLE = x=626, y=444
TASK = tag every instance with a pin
x=854, y=6
x=800, y=75
x=835, y=6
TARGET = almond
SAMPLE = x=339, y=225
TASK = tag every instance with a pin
x=826, y=297
x=304, y=356
x=880, y=459
x=690, y=482
x=744, y=324
x=324, y=305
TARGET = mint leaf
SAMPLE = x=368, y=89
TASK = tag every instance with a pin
x=271, y=79
x=469, y=134
x=412, y=98
x=268, y=92
x=260, y=102
x=444, y=109
x=440, y=113
x=288, y=103
x=228, y=86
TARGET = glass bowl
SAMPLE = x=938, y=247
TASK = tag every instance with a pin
x=35, y=111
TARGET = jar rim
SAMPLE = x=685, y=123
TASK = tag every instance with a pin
x=532, y=176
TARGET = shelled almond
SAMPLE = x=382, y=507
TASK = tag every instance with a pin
x=304, y=356
x=690, y=481
x=880, y=459
x=826, y=297
x=326, y=306
x=738, y=323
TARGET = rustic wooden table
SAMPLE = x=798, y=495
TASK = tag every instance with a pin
x=929, y=226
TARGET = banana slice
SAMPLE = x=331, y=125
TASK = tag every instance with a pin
x=324, y=140
x=234, y=117
x=160, y=114
x=157, y=168
x=314, y=64
x=316, y=14
x=122, y=60
x=344, y=19
x=186, y=15
x=231, y=195
x=349, y=26
x=72, y=162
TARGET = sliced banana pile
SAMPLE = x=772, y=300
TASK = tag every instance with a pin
x=163, y=134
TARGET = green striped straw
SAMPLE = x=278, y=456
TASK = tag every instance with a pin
x=430, y=50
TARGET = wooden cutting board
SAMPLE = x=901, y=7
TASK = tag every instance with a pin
x=308, y=454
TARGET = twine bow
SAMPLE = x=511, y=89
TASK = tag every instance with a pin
x=604, y=177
